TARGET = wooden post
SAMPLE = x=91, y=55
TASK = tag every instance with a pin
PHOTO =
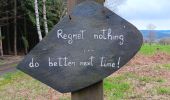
x=94, y=92
x=72, y=3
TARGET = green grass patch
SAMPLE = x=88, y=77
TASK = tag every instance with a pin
x=1, y=62
x=147, y=49
x=10, y=77
x=160, y=80
x=167, y=66
x=117, y=87
x=163, y=90
x=20, y=86
x=162, y=67
x=64, y=98
x=146, y=79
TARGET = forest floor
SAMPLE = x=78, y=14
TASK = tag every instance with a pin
x=8, y=63
x=146, y=76
x=8, y=59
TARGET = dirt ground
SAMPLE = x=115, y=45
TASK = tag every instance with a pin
x=143, y=65
x=152, y=68
x=8, y=59
x=8, y=63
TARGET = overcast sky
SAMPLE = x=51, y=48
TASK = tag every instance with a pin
x=144, y=12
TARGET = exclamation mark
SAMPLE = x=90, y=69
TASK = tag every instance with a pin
x=118, y=63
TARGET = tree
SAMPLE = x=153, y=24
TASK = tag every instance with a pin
x=37, y=20
x=45, y=17
x=12, y=16
x=24, y=36
x=151, y=33
x=164, y=41
x=15, y=27
x=1, y=47
x=7, y=30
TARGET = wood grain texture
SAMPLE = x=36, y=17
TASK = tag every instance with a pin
x=94, y=92
x=72, y=3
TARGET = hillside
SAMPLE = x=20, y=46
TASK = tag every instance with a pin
x=159, y=33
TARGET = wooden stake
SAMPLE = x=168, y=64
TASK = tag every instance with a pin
x=71, y=3
x=94, y=92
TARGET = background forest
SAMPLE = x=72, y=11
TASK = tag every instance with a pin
x=23, y=23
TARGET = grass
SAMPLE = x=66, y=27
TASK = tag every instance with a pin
x=116, y=90
x=163, y=66
x=160, y=80
x=146, y=79
x=1, y=62
x=9, y=78
x=163, y=90
x=117, y=87
x=18, y=82
x=19, y=86
x=147, y=49
x=167, y=66
x=12, y=65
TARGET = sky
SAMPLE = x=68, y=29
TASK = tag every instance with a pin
x=141, y=13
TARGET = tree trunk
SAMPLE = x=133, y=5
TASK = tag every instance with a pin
x=45, y=17
x=15, y=27
x=25, y=34
x=7, y=29
x=8, y=37
x=1, y=47
x=37, y=20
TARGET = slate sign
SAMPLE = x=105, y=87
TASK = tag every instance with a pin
x=82, y=49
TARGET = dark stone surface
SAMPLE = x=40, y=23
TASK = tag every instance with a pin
x=116, y=45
